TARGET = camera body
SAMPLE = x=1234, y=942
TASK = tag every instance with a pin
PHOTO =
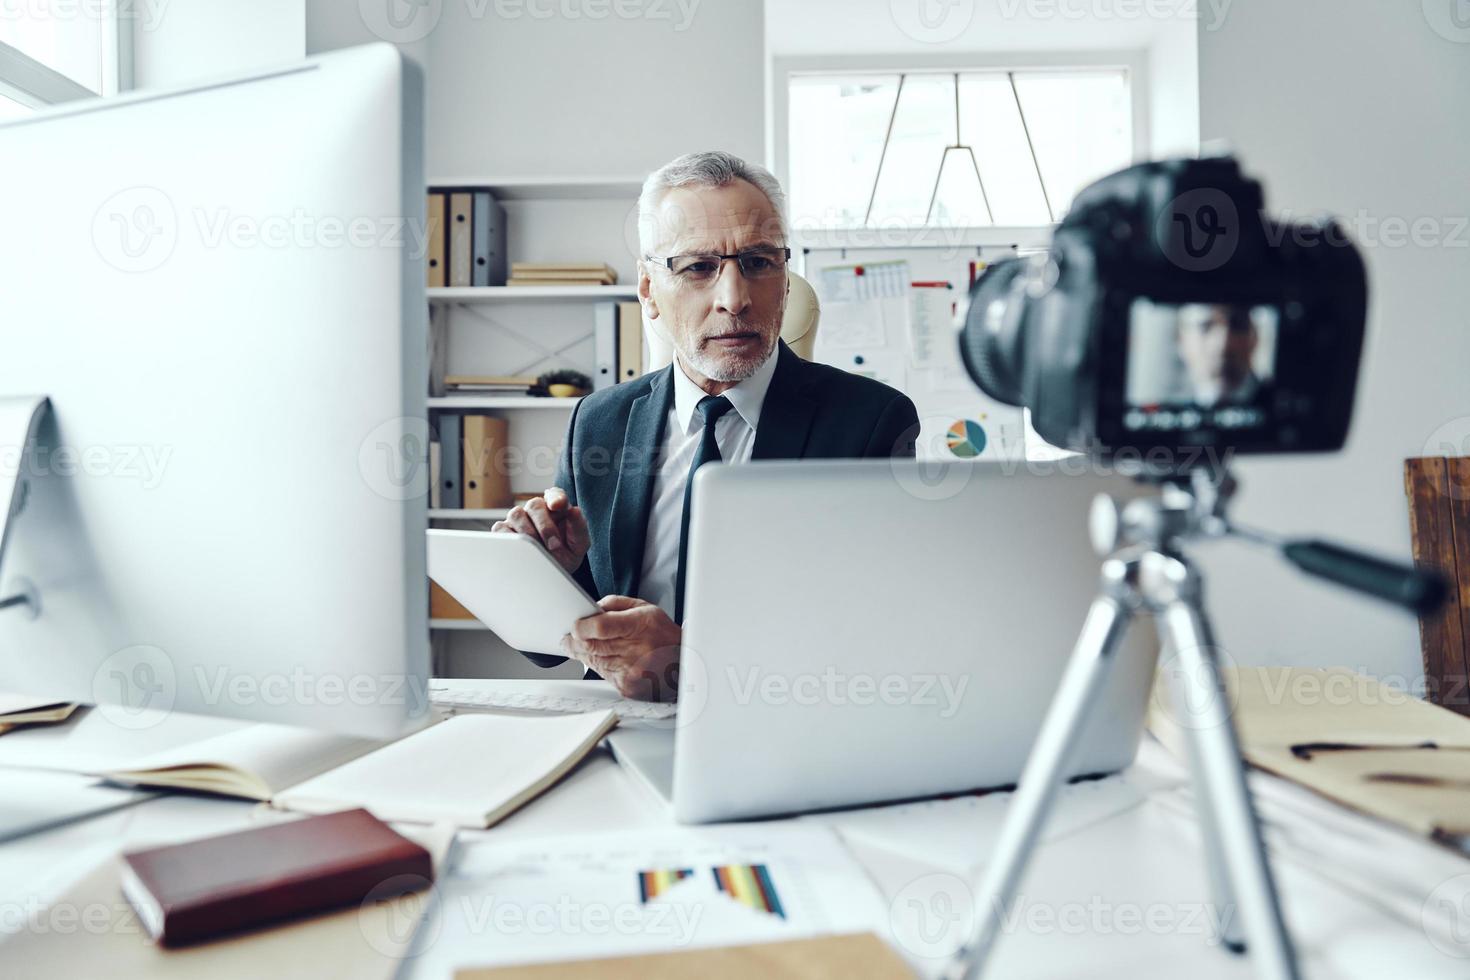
x=1171, y=315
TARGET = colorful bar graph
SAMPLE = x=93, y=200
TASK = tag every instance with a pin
x=652, y=884
x=750, y=885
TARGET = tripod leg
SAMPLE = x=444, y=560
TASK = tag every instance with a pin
x=1217, y=871
x=1222, y=770
x=1106, y=622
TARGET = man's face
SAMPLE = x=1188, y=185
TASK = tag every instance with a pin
x=1216, y=347
x=724, y=325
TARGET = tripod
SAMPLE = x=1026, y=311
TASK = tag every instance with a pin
x=1146, y=571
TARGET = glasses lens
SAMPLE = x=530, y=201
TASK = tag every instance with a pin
x=696, y=268
x=763, y=263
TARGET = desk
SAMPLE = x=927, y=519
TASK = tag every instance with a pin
x=1121, y=897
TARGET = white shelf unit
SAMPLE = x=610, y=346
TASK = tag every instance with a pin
x=514, y=294
x=457, y=624
x=500, y=402
x=549, y=188
x=483, y=330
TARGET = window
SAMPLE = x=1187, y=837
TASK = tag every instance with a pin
x=52, y=53
x=952, y=149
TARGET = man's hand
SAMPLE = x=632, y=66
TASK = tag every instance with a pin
x=632, y=643
x=550, y=519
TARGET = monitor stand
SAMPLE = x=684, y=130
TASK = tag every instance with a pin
x=20, y=426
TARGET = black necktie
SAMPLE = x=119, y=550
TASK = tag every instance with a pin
x=710, y=408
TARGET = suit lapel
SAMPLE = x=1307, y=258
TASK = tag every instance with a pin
x=638, y=465
x=786, y=415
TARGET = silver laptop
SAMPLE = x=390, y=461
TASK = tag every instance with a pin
x=861, y=631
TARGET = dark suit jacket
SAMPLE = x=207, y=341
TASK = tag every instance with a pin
x=615, y=440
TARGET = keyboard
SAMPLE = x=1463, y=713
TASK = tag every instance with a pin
x=492, y=700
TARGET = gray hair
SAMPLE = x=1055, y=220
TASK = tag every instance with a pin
x=712, y=168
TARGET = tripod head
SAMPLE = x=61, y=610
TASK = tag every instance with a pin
x=1192, y=505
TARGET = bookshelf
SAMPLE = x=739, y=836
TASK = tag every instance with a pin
x=514, y=294
x=526, y=330
x=499, y=402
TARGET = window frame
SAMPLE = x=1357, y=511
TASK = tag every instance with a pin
x=1133, y=62
x=33, y=84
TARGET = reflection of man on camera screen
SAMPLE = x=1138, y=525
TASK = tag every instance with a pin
x=1217, y=344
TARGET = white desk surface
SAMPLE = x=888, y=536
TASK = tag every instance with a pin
x=1100, y=888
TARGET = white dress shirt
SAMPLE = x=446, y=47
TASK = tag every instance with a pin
x=683, y=432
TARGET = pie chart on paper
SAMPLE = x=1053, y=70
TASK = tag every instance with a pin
x=966, y=439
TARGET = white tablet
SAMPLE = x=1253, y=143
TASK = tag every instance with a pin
x=511, y=584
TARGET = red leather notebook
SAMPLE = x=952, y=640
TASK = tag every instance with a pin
x=185, y=893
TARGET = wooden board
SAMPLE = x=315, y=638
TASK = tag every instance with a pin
x=1438, y=489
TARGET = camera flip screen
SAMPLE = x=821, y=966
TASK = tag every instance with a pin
x=1199, y=365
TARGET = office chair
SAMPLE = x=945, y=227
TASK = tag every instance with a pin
x=798, y=326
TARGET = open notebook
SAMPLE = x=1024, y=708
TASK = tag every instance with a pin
x=471, y=770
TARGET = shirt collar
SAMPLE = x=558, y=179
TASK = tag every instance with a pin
x=746, y=396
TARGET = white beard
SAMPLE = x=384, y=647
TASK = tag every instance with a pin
x=721, y=368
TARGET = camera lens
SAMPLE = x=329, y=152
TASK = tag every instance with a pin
x=992, y=341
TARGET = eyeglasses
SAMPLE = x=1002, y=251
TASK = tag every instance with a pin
x=767, y=262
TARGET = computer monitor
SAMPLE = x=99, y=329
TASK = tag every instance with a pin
x=220, y=292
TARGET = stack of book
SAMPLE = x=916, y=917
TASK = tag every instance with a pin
x=465, y=238
x=561, y=274
x=488, y=384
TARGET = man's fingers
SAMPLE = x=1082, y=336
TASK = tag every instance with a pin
x=556, y=498
x=578, y=537
x=545, y=524
x=614, y=603
x=603, y=626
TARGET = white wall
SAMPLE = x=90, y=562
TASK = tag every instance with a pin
x=1173, y=90
x=514, y=93
x=1357, y=109
x=191, y=39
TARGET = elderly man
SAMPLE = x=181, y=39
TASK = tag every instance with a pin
x=712, y=232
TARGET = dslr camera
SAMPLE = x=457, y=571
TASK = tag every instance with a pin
x=1171, y=320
